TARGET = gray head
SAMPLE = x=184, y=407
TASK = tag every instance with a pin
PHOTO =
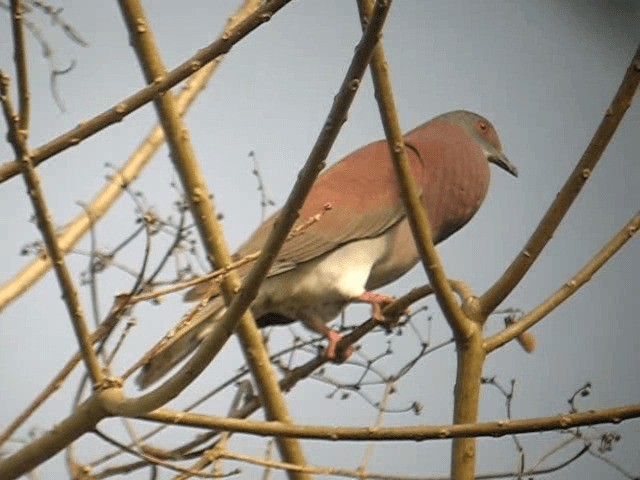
x=483, y=131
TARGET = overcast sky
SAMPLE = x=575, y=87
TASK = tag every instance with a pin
x=542, y=72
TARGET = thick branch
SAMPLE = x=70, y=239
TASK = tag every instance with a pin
x=470, y=360
x=569, y=191
x=83, y=420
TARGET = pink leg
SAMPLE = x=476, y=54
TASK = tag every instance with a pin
x=377, y=301
x=333, y=338
x=374, y=298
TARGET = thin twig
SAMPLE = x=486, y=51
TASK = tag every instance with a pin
x=162, y=463
x=55, y=14
x=265, y=199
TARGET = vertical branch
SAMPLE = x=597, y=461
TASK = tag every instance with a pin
x=470, y=360
x=18, y=134
x=569, y=191
x=20, y=59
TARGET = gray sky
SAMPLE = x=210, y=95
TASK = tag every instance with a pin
x=542, y=72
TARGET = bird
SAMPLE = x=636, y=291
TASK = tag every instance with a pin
x=362, y=239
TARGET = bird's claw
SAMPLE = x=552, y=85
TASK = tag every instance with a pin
x=378, y=301
x=333, y=353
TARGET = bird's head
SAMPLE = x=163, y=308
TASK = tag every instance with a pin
x=483, y=131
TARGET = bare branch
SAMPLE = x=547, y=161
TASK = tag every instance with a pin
x=163, y=463
x=55, y=14
x=265, y=199
x=568, y=289
x=414, y=433
x=104, y=199
x=119, y=111
x=18, y=139
x=569, y=191
x=20, y=57
x=409, y=192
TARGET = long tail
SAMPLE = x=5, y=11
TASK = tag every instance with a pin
x=179, y=343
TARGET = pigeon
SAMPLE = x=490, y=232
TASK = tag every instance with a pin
x=360, y=238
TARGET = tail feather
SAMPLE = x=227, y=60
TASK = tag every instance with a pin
x=180, y=343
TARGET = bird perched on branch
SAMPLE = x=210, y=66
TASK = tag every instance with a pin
x=363, y=241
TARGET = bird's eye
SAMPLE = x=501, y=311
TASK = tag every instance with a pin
x=483, y=126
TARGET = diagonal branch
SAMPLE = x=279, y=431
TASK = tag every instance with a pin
x=569, y=191
x=317, y=157
x=218, y=253
x=568, y=289
x=416, y=214
x=130, y=104
x=83, y=420
x=105, y=198
x=308, y=173
x=17, y=135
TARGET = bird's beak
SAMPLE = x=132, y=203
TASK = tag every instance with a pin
x=501, y=160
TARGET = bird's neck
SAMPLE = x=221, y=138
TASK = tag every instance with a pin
x=455, y=187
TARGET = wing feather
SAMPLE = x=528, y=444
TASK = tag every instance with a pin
x=364, y=201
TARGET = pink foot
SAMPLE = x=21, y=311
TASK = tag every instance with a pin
x=374, y=298
x=331, y=352
x=377, y=301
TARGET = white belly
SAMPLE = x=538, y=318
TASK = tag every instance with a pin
x=321, y=288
